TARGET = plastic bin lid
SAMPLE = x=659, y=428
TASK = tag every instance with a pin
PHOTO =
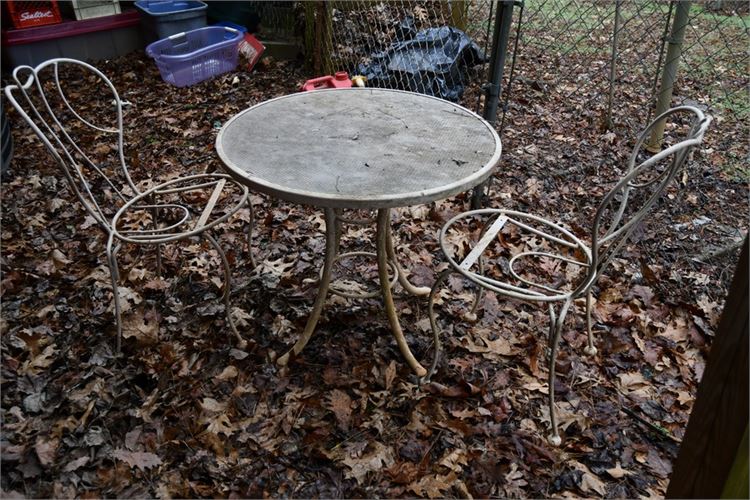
x=228, y=24
x=163, y=8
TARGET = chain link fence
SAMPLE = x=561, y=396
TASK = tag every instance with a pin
x=581, y=78
x=596, y=66
x=601, y=59
x=435, y=47
x=597, y=55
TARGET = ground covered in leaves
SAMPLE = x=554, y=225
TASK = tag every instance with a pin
x=184, y=413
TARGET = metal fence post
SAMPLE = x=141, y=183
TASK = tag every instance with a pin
x=613, y=66
x=669, y=75
x=500, y=35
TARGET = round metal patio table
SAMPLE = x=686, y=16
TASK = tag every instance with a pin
x=359, y=149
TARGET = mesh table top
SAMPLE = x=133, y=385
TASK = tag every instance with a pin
x=358, y=148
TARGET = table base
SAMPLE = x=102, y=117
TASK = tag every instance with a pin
x=386, y=256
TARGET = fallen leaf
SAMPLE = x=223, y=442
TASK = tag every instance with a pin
x=156, y=284
x=340, y=404
x=434, y=486
x=241, y=317
x=381, y=456
x=390, y=374
x=632, y=381
x=589, y=481
x=220, y=424
x=76, y=464
x=60, y=258
x=618, y=472
x=142, y=460
x=454, y=460
x=135, y=326
x=660, y=467
x=46, y=449
x=40, y=362
x=228, y=373
x=213, y=406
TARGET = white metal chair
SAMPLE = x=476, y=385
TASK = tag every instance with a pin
x=181, y=208
x=536, y=241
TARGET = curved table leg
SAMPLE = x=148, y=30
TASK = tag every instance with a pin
x=414, y=290
x=384, y=224
x=325, y=281
x=249, y=231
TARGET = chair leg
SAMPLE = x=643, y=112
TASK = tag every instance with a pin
x=590, y=349
x=249, y=230
x=556, y=330
x=155, y=223
x=241, y=343
x=434, y=325
x=158, y=261
x=115, y=275
x=471, y=316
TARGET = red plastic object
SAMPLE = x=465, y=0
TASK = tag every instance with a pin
x=71, y=29
x=338, y=81
x=251, y=49
x=29, y=14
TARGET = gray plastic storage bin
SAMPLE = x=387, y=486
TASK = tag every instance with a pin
x=160, y=19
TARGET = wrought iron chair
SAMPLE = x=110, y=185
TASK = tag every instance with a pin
x=177, y=209
x=643, y=183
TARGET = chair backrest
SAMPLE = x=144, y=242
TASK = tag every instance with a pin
x=625, y=206
x=48, y=98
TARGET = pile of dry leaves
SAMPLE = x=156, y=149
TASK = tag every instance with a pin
x=184, y=413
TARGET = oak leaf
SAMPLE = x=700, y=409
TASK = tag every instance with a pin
x=140, y=459
x=434, y=486
x=380, y=456
x=40, y=362
x=220, y=424
x=340, y=404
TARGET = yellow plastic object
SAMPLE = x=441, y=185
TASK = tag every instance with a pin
x=359, y=80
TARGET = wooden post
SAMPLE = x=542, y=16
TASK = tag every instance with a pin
x=720, y=415
x=669, y=74
x=325, y=25
x=310, y=42
x=738, y=482
x=459, y=14
x=318, y=37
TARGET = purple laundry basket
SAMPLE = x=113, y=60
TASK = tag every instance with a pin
x=193, y=56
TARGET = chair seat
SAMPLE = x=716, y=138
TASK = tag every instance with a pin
x=176, y=202
x=532, y=236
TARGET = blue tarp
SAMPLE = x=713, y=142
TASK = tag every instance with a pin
x=432, y=61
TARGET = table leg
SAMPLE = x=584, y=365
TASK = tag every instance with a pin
x=332, y=236
x=414, y=290
x=383, y=231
